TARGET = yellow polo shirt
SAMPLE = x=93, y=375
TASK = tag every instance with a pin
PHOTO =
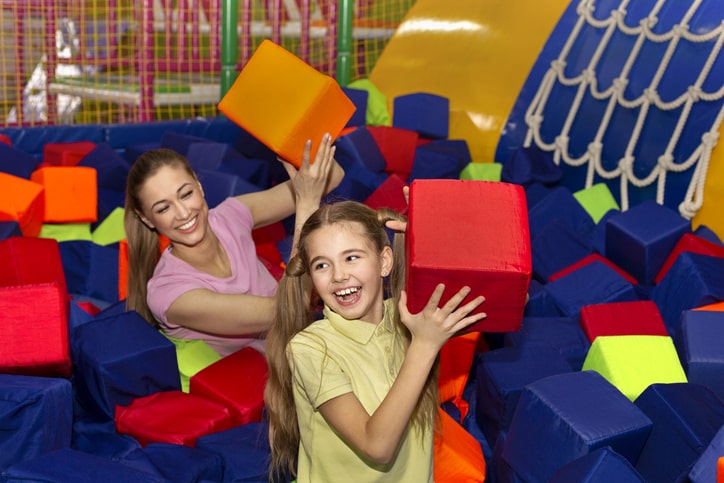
x=334, y=356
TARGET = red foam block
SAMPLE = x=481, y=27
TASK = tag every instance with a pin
x=641, y=317
x=174, y=417
x=237, y=382
x=474, y=233
x=28, y=260
x=689, y=243
x=397, y=146
x=34, y=330
x=66, y=154
x=593, y=257
x=389, y=195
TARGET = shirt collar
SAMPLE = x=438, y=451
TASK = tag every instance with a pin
x=358, y=330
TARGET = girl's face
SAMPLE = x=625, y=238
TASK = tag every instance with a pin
x=173, y=203
x=347, y=271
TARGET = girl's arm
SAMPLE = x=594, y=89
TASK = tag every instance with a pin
x=378, y=436
x=302, y=193
x=222, y=314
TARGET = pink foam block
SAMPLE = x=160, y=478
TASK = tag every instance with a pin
x=29, y=260
x=474, y=233
x=34, y=330
x=641, y=317
x=174, y=417
x=237, y=382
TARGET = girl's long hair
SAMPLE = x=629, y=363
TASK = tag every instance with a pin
x=294, y=312
x=143, y=242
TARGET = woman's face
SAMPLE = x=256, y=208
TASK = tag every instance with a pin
x=173, y=203
x=347, y=271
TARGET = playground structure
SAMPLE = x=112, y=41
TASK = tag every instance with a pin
x=81, y=62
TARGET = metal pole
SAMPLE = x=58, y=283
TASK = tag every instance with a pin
x=344, y=42
x=229, y=44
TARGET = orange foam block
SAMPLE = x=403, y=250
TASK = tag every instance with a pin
x=283, y=102
x=22, y=201
x=34, y=330
x=66, y=154
x=470, y=233
x=457, y=455
x=71, y=193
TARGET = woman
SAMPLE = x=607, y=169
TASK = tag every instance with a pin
x=208, y=283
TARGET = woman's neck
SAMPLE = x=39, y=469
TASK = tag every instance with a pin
x=208, y=256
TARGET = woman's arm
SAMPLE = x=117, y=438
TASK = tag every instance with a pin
x=302, y=193
x=378, y=436
x=222, y=314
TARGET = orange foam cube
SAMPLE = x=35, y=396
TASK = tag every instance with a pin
x=71, y=193
x=22, y=201
x=283, y=102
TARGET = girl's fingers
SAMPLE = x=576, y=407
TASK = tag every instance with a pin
x=455, y=300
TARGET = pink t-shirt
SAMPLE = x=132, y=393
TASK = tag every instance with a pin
x=232, y=223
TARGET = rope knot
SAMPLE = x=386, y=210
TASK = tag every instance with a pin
x=626, y=163
x=562, y=143
x=709, y=139
x=619, y=84
x=589, y=76
x=650, y=95
x=594, y=149
x=558, y=66
x=665, y=160
x=694, y=93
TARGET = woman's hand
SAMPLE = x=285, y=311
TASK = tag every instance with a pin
x=435, y=325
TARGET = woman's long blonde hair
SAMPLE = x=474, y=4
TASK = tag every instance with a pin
x=143, y=242
x=294, y=312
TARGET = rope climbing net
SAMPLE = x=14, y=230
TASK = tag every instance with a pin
x=704, y=88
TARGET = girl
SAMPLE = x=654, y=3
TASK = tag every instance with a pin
x=209, y=284
x=353, y=396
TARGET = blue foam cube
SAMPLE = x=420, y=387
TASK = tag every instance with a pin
x=700, y=345
x=640, y=239
x=359, y=148
x=91, y=270
x=601, y=465
x=219, y=186
x=36, y=416
x=427, y=114
x=555, y=247
x=563, y=334
x=529, y=165
x=562, y=206
x=359, y=98
x=565, y=416
x=244, y=451
x=108, y=356
x=111, y=168
x=693, y=280
x=686, y=418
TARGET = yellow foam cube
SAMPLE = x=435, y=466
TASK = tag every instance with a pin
x=283, y=102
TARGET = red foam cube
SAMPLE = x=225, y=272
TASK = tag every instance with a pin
x=174, y=417
x=640, y=317
x=689, y=243
x=593, y=257
x=29, y=260
x=474, y=233
x=34, y=330
x=389, y=195
x=66, y=154
x=237, y=382
x=397, y=146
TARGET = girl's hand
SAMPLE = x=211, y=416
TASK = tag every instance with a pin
x=311, y=180
x=435, y=325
